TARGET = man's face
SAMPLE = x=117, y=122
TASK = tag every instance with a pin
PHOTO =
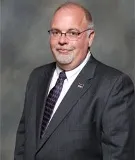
x=70, y=53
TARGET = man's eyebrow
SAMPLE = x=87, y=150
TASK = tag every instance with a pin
x=75, y=29
x=55, y=29
x=70, y=29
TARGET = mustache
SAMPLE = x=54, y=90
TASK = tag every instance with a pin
x=63, y=48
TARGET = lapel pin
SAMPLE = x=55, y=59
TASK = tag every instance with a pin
x=80, y=85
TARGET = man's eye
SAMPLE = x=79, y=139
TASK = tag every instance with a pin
x=73, y=33
x=55, y=32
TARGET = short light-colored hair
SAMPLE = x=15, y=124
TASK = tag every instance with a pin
x=86, y=12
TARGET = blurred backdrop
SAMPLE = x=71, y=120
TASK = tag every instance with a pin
x=25, y=46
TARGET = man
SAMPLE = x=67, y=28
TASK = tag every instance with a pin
x=76, y=108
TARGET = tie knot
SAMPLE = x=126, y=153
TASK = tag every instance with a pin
x=62, y=75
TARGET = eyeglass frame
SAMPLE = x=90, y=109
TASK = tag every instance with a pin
x=65, y=33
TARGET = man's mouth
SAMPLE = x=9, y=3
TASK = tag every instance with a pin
x=63, y=50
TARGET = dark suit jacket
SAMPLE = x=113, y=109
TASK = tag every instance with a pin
x=93, y=122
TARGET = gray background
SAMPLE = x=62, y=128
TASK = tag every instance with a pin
x=25, y=46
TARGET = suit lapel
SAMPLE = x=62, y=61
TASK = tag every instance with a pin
x=42, y=90
x=78, y=88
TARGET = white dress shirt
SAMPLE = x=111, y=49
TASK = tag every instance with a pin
x=71, y=76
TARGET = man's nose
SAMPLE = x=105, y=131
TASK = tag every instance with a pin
x=63, y=39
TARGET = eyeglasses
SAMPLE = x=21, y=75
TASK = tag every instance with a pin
x=70, y=34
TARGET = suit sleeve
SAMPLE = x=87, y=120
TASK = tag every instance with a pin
x=20, y=140
x=20, y=135
x=118, y=136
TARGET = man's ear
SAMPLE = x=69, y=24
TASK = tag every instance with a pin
x=91, y=37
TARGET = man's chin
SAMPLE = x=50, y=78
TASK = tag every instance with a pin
x=63, y=62
x=64, y=59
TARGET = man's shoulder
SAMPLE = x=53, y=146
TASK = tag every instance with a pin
x=109, y=76
x=107, y=73
x=40, y=71
x=43, y=69
x=106, y=70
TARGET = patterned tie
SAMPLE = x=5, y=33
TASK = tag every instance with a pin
x=51, y=101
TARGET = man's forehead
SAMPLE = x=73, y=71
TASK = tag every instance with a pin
x=70, y=7
x=69, y=11
x=71, y=15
